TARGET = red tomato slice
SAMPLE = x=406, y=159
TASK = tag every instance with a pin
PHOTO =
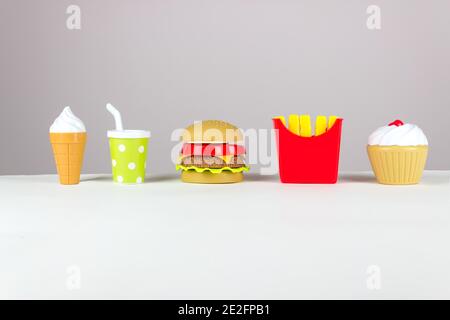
x=212, y=149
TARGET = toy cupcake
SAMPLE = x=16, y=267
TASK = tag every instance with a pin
x=398, y=153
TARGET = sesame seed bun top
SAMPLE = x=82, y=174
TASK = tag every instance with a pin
x=212, y=131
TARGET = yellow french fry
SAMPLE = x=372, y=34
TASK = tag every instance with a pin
x=321, y=125
x=282, y=119
x=294, y=123
x=331, y=121
x=305, y=125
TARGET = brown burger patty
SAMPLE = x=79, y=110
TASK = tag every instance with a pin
x=212, y=162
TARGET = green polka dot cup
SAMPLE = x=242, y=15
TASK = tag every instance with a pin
x=128, y=155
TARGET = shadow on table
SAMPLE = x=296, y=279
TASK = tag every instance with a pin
x=94, y=177
x=162, y=178
x=148, y=179
x=428, y=178
x=261, y=178
x=357, y=177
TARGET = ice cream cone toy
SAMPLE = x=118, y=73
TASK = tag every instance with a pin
x=128, y=151
x=68, y=139
x=307, y=156
x=398, y=153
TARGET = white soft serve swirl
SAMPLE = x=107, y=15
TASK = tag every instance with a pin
x=67, y=122
x=404, y=135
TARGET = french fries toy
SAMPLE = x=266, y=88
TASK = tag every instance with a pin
x=305, y=156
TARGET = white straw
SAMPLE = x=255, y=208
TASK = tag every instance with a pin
x=116, y=115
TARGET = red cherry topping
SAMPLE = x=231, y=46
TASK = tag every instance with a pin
x=397, y=123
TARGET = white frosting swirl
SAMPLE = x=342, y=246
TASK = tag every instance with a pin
x=67, y=122
x=403, y=135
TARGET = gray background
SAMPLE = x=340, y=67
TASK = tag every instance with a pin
x=165, y=63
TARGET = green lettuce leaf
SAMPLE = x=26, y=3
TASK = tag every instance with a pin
x=213, y=170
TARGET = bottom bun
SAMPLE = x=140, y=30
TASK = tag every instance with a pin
x=192, y=176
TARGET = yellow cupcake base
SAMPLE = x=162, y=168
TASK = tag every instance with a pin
x=399, y=165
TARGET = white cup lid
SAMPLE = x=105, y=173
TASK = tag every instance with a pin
x=128, y=134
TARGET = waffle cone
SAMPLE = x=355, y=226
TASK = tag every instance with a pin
x=398, y=164
x=68, y=150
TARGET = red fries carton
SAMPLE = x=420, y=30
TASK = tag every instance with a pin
x=313, y=159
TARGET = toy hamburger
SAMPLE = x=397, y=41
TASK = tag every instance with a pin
x=212, y=152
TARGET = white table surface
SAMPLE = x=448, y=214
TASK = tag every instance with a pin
x=256, y=240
